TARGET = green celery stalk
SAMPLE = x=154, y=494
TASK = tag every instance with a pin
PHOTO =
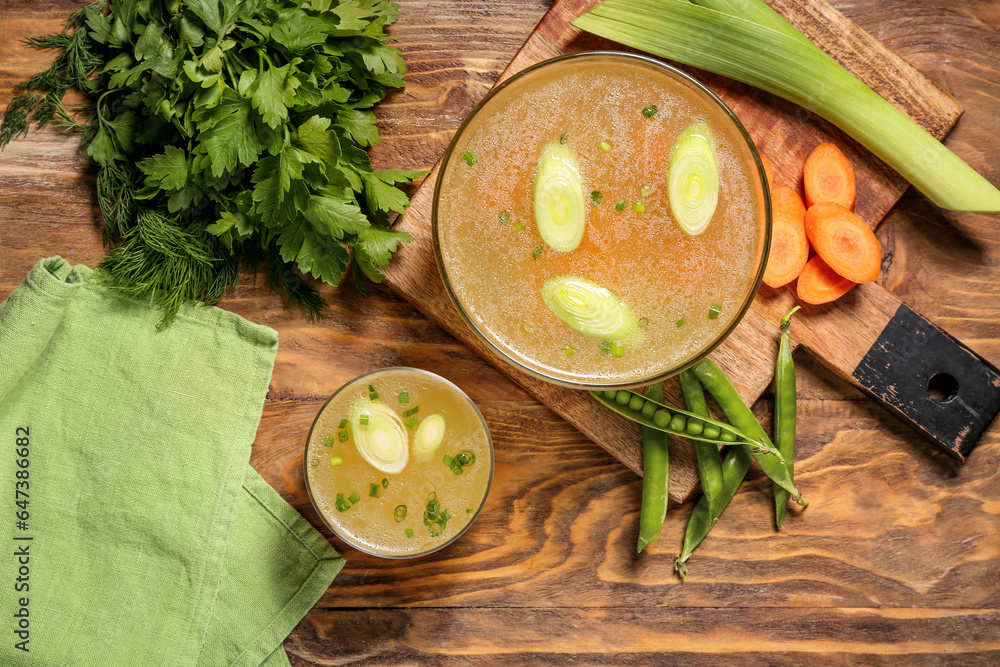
x=766, y=52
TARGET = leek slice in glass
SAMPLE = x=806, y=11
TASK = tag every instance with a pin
x=592, y=310
x=383, y=441
x=745, y=40
x=559, y=204
x=693, y=180
x=428, y=437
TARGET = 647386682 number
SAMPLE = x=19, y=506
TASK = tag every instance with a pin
x=22, y=451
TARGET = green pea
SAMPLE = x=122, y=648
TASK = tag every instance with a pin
x=610, y=394
x=661, y=418
x=695, y=427
x=623, y=397
x=636, y=403
x=711, y=432
x=726, y=436
x=677, y=423
x=648, y=410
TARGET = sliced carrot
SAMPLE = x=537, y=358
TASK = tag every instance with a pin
x=769, y=171
x=844, y=241
x=818, y=283
x=829, y=177
x=789, y=245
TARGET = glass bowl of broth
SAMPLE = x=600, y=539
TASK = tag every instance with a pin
x=380, y=504
x=620, y=115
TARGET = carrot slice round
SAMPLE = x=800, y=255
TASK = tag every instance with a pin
x=819, y=284
x=789, y=245
x=829, y=177
x=844, y=241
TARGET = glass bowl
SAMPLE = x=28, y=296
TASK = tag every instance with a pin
x=505, y=96
x=385, y=536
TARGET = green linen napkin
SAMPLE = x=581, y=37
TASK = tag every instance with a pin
x=143, y=536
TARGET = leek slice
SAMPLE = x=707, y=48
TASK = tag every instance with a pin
x=559, y=205
x=592, y=310
x=429, y=435
x=747, y=41
x=383, y=440
x=693, y=181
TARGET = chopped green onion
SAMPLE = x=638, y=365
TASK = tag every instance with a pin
x=336, y=461
x=343, y=423
x=328, y=442
x=342, y=435
x=605, y=146
x=645, y=192
x=354, y=498
x=409, y=532
x=649, y=111
x=713, y=311
x=314, y=462
x=596, y=197
x=399, y=513
x=373, y=396
x=639, y=207
x=536, y=253
x=364, y=420
x=341, y=503
x=374, y=490
x=469, y=158
x=435, y=529
x=620, y=206
x=404, y=398
x=679, y=323
x=563, y=138
x=385, y=482
x=643, y=322
x=570, y=351
x=412, y=422
x=412, y=411
x=617, y=350
x=519, y=226
x=504, y=217
x=749, y=42
x=448, y=461
x=529, y=327
x=466, y=457
x=468, y=510
x=371, y=389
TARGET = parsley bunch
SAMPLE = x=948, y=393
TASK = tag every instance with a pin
x=228, y=133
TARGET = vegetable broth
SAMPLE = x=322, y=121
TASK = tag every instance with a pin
x=371, y=523
x=665, y=276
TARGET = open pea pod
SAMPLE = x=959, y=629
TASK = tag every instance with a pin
x=653, y=414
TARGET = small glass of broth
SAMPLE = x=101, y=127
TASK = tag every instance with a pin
x=601, y=220
x=399, y=462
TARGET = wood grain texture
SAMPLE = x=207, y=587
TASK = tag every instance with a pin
x=893, y=563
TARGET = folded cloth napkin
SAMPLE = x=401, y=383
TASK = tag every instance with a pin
x=135, y=531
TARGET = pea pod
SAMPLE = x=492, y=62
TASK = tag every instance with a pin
x=709, y=461
x=655, y=477
x=656, y=415
x=740, y=415
x=784, y=413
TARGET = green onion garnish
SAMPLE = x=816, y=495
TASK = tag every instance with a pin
x=399, y=513
x=328, y=442
x=596, y=197
x=643, y=322
x=468, y=510
x=504, y=217
x=354, y=498
x=404, y=398
x=749, y=42
x=519, y=226
x=364, y=420
x=341, y=503
x=649, y=111
x=536, y=253
x=713, y=311
x=412, y=422
x=343, y=423
x=639, y=207
x=343, y=435
x=412, y=411
x=314, y=462
x=569, y=351
x=448, y=461
x=645, y=192
x=374, y=490
x=336, y=461
x=469, y=158
x=373, y=396
x=679, y=323
x=466, y=457
x=529, y=327
x=605, y=146
x=385, y=482
x=409, y=532
x=617, y=350
x=620, y=206
x=563, y=138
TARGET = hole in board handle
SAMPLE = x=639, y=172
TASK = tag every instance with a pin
x=942, y=387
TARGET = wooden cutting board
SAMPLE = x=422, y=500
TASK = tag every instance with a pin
x=868, y=337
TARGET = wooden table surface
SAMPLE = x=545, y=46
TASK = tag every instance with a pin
x=897, y=559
